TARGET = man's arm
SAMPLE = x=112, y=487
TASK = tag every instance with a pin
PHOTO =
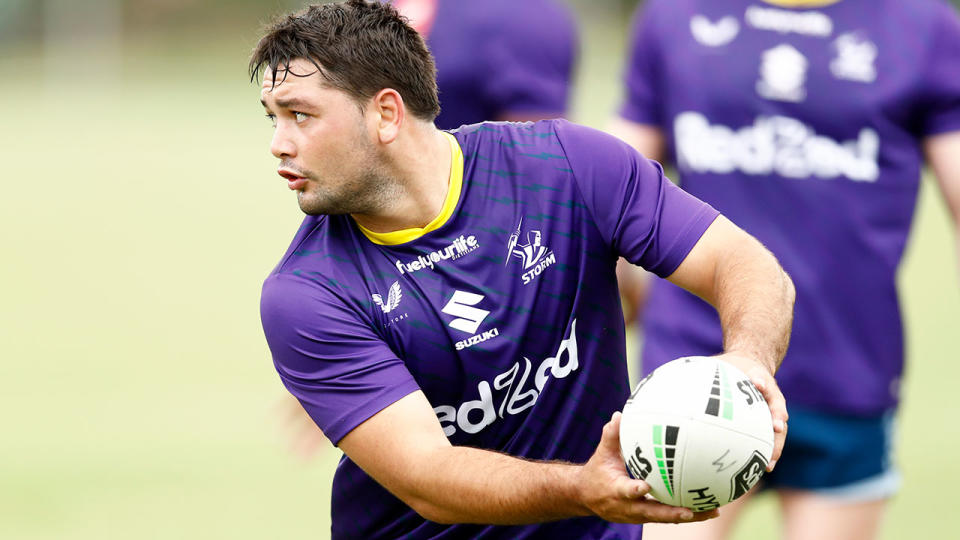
x=403, y=447
x=943, y=156
x=754, y=298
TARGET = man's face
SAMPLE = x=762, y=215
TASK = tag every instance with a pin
x=326, y=152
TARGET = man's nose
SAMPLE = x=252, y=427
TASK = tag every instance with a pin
x=282, y=146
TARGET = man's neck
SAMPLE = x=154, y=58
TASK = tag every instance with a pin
x=421, y=161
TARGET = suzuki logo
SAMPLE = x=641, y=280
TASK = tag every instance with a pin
x=468, y=317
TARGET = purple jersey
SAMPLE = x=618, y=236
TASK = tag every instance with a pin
x=497, y=57
x=506, y=317
x=803, y=126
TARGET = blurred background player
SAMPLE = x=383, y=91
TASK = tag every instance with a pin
x=806, y=123
x=498, y=59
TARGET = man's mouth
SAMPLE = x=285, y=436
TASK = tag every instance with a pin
x=294, y=181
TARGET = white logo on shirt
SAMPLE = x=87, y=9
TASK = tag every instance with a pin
x=855, y=58
x=458, y=248
x=783, y=70
x=473, y=416
x=773, y=145
x=534, y=256
x=808, y=23
x=468, y=318
x=714, y=34
x=393, y=298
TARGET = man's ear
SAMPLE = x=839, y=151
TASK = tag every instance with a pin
x=389, y=113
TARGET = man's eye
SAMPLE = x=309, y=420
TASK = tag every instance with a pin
x=299, y=116
x=273, y=119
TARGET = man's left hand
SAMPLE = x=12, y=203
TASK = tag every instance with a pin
x=761, y=376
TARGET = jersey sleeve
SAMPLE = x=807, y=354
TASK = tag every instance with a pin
x=641, y=215
x=642, y=73
x=530, y=59
x=327, y=357
x=942, y=81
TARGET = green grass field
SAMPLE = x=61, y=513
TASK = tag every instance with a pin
x=141, y=212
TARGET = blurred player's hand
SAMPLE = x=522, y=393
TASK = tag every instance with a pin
x=610, y=493
x=304, y=439
x=761, y=377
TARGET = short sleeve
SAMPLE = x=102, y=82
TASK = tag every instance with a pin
x=641, y=215
x=327, y=357
x=530, y=58
x=642, y=73
x=942, y=80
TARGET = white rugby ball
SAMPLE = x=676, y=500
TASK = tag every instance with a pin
x=698, y=432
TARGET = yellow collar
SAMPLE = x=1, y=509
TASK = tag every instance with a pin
x=801, y=3
x=403, y=236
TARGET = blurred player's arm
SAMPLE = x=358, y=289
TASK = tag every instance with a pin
x=754, y=297
x=404, y=448
x=645, y=138
x=943, y=156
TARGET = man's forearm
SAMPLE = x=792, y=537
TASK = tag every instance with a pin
x=754, y=298
x=469, y=485
x=456, y=484
x=744, y=282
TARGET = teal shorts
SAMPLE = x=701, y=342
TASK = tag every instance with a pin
x=848, y=457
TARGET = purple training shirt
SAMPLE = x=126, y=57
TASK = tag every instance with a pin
x=506, y=317
x=803, y=126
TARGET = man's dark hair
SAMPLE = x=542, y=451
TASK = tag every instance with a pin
x=357, y=46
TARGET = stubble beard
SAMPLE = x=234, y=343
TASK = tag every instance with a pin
x=368, y=190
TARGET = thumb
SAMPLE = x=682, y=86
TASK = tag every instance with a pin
x=610, y=438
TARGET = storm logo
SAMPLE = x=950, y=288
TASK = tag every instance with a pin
x=534, y=256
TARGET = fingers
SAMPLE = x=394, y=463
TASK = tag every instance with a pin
x=621, y=498
x=779, y=439
x=778, y=410
x=649, y=510
x=656, y=512
x=630, y=489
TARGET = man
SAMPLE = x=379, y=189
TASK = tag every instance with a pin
x=497, y=59
x=805, y=123
x=447, y=312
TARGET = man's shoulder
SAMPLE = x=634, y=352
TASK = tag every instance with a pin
x=525, y=135
x=312, y=284
x=492, y=130
x=540, y=148
x=316, y=254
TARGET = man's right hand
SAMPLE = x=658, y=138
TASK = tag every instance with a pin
x=404, y=448
x=610, y=493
